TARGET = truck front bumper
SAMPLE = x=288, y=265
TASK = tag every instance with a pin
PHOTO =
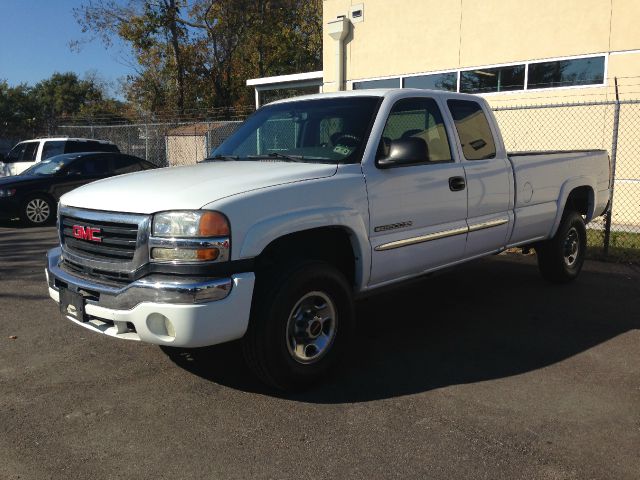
x=160, y=309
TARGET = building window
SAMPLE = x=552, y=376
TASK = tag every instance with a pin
x=385, y=83
x=566, y=73
x=499, y=79
x=437, y=81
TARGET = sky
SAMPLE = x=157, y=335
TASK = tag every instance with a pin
x=34, y=43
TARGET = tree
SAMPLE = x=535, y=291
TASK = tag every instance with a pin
x=199, y=54
x=26, y=111
x=18, y=110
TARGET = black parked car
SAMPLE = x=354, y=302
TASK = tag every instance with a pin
x=33, y=195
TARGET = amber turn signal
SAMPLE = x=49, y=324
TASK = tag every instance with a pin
x=208, y=254
x=213, y=224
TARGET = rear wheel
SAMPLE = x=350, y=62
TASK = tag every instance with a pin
x=301, y=320
x=38, y=210
x=560, y=258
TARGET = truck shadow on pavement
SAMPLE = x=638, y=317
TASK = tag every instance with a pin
x=492, y=319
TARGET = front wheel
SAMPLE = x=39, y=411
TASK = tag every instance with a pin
x=301, y=321
x=560, y=258
x=38, y=211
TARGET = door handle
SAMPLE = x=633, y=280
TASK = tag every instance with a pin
x=456, y=184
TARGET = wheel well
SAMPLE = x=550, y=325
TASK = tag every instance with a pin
x=41, y=194
x=329, y=244
x=580, y=200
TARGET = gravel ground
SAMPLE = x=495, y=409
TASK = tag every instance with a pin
x=482, y=372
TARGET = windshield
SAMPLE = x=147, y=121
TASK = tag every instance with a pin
x=328, y=130
x=50, y=166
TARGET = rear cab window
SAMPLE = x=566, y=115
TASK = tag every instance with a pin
x=473, y=129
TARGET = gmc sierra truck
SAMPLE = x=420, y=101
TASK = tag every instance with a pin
x=311, y=203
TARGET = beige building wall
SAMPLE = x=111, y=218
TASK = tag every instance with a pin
x=404, y=37
x=185, y=149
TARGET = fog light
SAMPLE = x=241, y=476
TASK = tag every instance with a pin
x=160, y=325
x=181, y=254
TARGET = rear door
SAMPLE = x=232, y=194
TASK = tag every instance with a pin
x=489, y=178
x=418, y=211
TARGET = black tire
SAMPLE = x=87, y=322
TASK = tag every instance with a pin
x=283, y=353
x=38, y=210
x=560, y=258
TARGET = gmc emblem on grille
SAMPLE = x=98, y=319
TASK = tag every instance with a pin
x=86, y=233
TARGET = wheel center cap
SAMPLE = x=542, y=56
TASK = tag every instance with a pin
x=315, y=328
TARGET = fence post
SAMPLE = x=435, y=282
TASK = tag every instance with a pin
x=146, y=141
x=614, y=152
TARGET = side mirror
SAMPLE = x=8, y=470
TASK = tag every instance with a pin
x=405, y=151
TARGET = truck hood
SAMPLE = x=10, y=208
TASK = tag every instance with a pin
x=192, y=187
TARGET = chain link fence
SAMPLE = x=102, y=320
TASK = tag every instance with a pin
x=609, y=125
x=164, y=144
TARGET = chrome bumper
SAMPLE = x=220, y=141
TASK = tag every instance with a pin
x=152, y=288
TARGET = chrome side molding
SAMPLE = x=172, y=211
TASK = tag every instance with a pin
x=443, y=234
x=489, y=224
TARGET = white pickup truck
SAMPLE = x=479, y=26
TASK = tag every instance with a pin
x=311, y=203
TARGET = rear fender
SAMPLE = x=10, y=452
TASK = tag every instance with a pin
x=565, y=191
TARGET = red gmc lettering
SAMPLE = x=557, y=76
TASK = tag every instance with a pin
x=86, y=233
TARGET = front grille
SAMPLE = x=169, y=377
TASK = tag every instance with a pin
x=118, y=240
x=114, y=279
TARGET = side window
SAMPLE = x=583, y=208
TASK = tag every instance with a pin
x=91, y=166
x=71, y=146
x=123, y=165
x=51, y=149
x=473, y=129
x=30, y=151
x=417, y=118
x=16, y=153
x=146, y=166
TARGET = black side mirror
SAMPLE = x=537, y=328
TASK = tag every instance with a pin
x=405, y=151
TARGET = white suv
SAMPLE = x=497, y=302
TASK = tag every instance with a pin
x=27, y=153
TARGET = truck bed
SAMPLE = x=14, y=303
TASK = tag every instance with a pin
x=539, y=180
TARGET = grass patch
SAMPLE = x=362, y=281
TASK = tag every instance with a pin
x=623, y=246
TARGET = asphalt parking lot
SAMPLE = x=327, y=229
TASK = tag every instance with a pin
x=482, y=372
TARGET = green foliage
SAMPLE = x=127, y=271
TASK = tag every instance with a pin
x=199, y=53
x=28, y=111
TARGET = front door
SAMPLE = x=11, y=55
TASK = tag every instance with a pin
x=418, y=210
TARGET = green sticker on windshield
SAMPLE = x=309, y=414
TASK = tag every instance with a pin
x=341, y=149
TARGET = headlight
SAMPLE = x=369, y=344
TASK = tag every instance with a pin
x=190, y=224
x=7, y=192
x=190, y=236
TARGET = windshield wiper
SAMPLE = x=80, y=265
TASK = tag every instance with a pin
x=282, y=156
x=221, y=157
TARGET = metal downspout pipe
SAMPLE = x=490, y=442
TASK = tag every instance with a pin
x=338, y=30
